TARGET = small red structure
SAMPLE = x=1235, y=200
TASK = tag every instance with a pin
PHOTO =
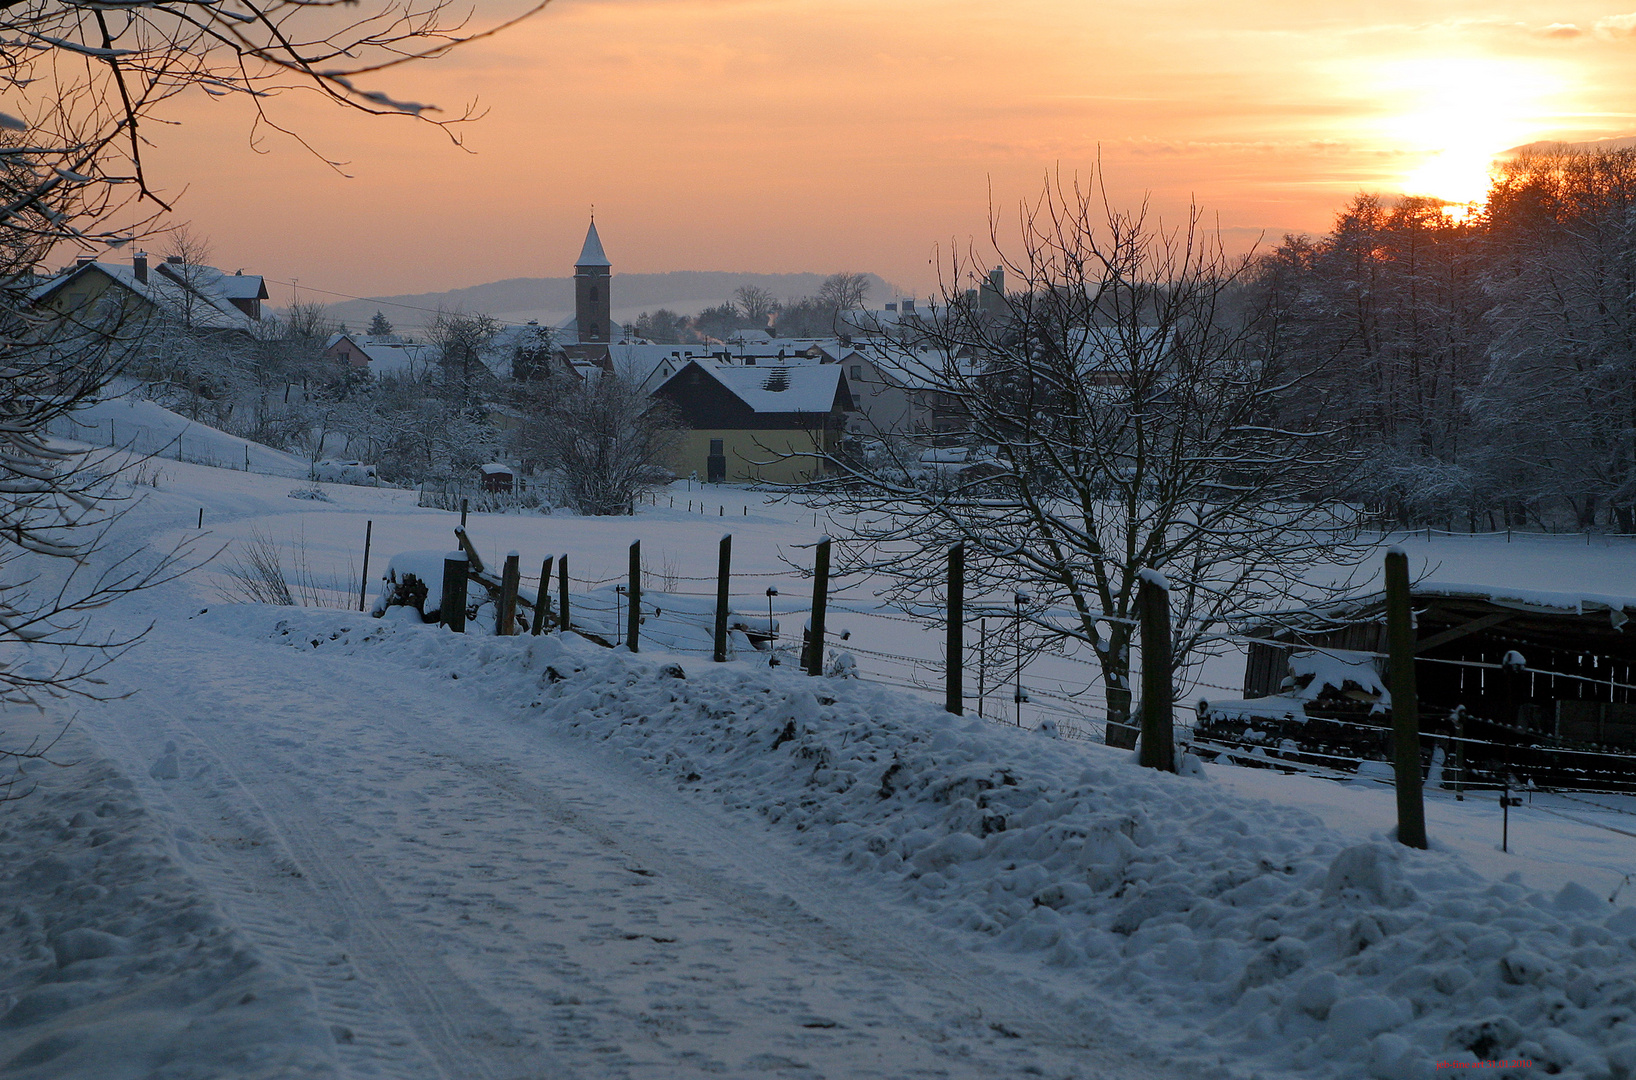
x=497, y=478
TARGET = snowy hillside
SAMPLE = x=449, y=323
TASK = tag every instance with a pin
x=316, y=843
x=143, y=427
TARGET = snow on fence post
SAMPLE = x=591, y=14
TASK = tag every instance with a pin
x=451, y=610
x=954, y=648
x=363, y=580
x=820, y=598
x=562, y=593
x=723, y=568
x=633, y=593
x=511, y=575
x=1400, y=643
x=1158, y=720
x=542, y=601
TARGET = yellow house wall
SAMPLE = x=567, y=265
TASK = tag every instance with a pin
x=751, y=455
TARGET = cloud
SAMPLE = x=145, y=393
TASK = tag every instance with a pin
x=1617, y=25
x=1560, y=30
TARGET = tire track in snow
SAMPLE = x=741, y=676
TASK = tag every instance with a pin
x=286, y=892
x=312, y=766
x=829, y=920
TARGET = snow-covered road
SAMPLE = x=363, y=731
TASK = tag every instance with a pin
x=473, y=898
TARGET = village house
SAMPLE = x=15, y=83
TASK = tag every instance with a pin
x=772, y=424
x=198, y=297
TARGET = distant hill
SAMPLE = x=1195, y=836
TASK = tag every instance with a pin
x=551, y=300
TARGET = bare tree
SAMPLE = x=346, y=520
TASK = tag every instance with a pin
x=1122, y=412
x=610, y=441
x=462, y=340
x=756, y=304
x=844, y=292
x=85, y=89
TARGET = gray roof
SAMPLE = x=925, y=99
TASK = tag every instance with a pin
x=208, y=308
x=807, y=388
x=592, y=254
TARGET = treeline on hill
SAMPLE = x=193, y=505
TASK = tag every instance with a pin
x=1485, y=368
x=754, y=308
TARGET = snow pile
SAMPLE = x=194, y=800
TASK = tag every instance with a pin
x=1338, y=672
x=346, y=472
x=112, y=962
x=1250, y=930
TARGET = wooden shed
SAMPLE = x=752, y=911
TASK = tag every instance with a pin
x=1545, y=680
x=497, y=479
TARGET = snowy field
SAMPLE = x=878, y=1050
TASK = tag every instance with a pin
x=312, y=843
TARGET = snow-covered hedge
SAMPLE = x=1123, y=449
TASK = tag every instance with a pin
x=1248, y=930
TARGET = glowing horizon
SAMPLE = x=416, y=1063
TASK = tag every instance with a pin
x=788, y=135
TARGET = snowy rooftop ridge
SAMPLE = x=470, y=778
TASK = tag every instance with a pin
x=803, y=388
x=1534, y=601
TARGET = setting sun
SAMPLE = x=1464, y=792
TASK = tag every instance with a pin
x=1458, y=115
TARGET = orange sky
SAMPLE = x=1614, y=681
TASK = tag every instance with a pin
x=783, y=135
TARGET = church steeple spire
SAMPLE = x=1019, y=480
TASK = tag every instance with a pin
x=593, y=306
x=592, y=254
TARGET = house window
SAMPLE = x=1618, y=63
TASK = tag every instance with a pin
x=856, y=372
x=716, y=448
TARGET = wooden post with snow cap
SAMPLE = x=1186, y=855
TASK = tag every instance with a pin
x=562, y=594
x=820, y=600
x=451, y=610
x=1158, y=720
x=542, y=601
x=633, y=593
x=511, y=576
x=1400, y=643
x=954, y=677
x=724, y=564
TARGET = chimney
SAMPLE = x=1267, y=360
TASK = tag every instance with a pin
x=84, y=260
x=892, y=308
x=139, y=264
x=174, y=260
x=908, y=306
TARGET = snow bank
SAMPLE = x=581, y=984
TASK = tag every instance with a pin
x=1249, y=931
x=113, y=963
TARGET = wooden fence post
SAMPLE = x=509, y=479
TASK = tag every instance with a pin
x=542, y=601
x=723, y=568
x=1400, y=642
x=363, y=582
x=633, y=593
x=954, y=649
x=1158, y=693
x=820, y=599
x=562, y=593
x=451, y=610
x=511, y=575
x=463, y=513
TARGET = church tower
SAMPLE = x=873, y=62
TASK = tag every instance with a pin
x=593, y=307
